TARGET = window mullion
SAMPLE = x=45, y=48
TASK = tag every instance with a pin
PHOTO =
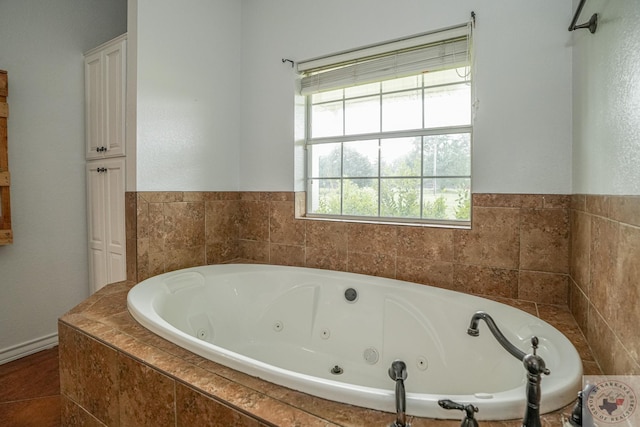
x=380, y=152
x=422, y=149
x=344, y=126
x=392, y=134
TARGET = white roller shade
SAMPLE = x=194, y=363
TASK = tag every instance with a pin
x=429, y=52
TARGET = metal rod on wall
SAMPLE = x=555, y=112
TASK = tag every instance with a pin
x=592, y=24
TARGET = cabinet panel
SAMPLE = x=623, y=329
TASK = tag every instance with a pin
x=93, y=103
x=105, y=89
x=115, y=225
x=96, y=206
x=114, y=99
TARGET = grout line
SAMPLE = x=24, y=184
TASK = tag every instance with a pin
x=6, y=402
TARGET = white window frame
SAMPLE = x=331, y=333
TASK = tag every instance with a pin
x=307, y=68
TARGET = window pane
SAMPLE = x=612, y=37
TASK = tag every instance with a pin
x=400, y=197
x=362, y=90
x=447, y=198
x=360, y=158
x=462, y=207
x=402, y=111
x=447, y=155
x=332, y=95
x=443, y=77
x=412, y=82
x=324, y=160
x=326, y=120
x=400, y=156
x=362, y=115
x=360, y=197
x=326, y=196
x=447, y=106
x=435, y=203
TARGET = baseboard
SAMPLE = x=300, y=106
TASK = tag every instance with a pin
x=27, y=348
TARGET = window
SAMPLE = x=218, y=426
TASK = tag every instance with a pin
x=389, y=134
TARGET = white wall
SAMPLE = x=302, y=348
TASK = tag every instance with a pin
x=188, y=87
x=44, y=272
x=522, y=134
x=215, y=102
x=606, y=100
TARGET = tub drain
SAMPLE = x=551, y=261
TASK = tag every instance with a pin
x=336, y=370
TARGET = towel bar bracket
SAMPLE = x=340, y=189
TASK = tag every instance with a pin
x=592, y=24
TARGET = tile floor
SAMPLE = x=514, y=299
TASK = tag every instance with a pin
x=30, y=391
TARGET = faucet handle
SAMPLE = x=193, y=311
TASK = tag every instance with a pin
x=534, y=343
x=450, y=404
x=469, y=420
x=534, y=363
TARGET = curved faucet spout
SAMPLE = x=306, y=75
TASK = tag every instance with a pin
x=474, y=332
x=398, y=373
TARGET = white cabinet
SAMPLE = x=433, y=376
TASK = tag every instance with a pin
x=105, y=88
x=106, y=221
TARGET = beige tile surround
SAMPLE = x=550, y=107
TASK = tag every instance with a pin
x=580, y=250
x=114, y=372
x=517, y=248
x=605, y=278
x=562, y=258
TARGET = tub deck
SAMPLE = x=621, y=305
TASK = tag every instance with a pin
x=115, y=372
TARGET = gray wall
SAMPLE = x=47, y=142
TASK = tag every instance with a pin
x=44, y=273
x=606, y=99
x=522, y=125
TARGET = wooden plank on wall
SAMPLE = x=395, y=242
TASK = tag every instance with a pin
x=4, y=152
x=6, y=235
x=5, y=208
x=4, y=86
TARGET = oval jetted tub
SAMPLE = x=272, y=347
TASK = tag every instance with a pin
x=335, y=334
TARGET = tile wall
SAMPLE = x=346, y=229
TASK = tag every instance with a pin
x=605, y=278
x=517, y=248
x=580, y=250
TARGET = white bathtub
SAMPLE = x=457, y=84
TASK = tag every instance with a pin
x=291, y=326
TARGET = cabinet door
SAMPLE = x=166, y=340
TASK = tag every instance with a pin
x=96, y=219
x=115, y=225
x=93, y=104
x=105, y=89
x=115, y=72
x=106, y=222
